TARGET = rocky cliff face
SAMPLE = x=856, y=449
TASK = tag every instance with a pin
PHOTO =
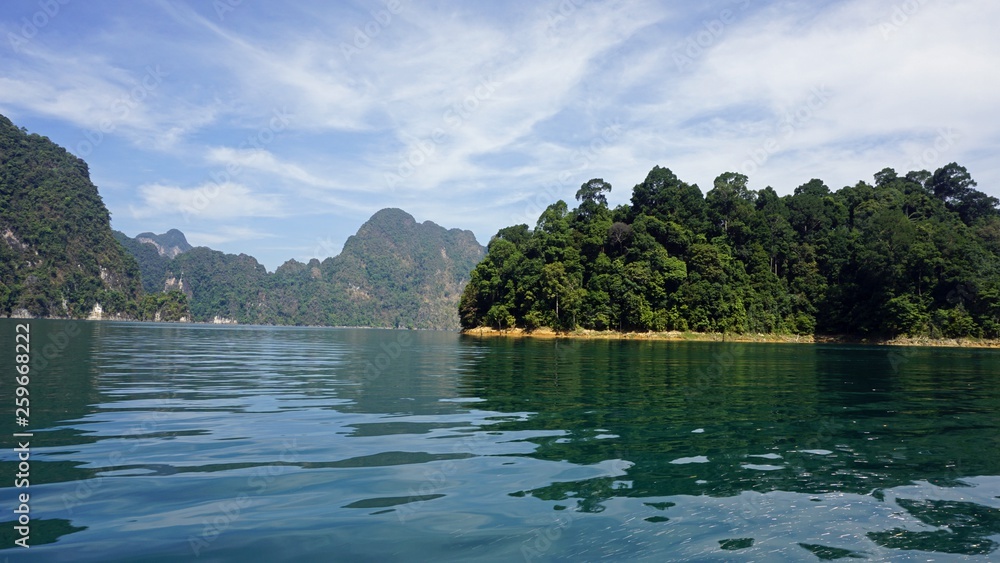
x=168, y=245
x=177, y=284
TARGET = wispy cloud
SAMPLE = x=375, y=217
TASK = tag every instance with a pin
x=932, y=72
x=471, y=116
x=100, y=98
x=207, y=201
x=226, y=234
x=263, y=161
x=283, y=66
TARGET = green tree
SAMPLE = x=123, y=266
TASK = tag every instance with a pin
x=730, y=205
x=910, y=254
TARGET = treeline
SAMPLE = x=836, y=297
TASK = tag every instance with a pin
x=916, y=255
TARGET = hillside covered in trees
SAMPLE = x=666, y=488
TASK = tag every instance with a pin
x=153, y=253
x=58, y=257
x=916, y=255
x=394, y=272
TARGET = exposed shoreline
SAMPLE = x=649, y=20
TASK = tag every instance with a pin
x=545, y=332
x=549, y=333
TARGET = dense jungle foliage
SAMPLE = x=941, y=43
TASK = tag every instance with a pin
x=58, y=257
x=917, y=255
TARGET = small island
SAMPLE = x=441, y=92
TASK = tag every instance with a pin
x=911, y=259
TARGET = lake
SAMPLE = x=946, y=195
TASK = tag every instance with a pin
x=162, y=442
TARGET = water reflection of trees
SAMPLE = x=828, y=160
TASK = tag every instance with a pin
x=821, y=418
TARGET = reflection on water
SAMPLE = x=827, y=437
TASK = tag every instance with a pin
x=166, y=442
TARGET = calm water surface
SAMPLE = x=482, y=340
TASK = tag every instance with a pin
x=180, y=443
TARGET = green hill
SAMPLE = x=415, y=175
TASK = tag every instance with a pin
x=394, y=272
x=915, y=255
x=397, y=272
x=153, y=253
x=58, y=256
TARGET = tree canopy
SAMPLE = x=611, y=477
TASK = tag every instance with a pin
x=916, y=255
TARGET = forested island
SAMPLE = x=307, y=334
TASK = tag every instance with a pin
x=909, y=255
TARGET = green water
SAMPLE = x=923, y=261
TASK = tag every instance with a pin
x=158, y=442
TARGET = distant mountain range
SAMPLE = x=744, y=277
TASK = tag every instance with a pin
x=394, y=272
x=59, y=258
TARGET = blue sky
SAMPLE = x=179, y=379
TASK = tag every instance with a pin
x=276, y=130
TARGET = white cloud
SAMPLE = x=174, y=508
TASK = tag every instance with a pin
x=473, y=116
x=101, y=98
x=884, y=95
x=282, y=67
x=259, y=160
x=225, y=234
x=208, y=201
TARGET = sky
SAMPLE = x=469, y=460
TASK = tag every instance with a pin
x=277, y=129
